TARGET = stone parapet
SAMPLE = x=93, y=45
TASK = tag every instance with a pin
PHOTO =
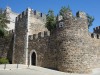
x=39, y=35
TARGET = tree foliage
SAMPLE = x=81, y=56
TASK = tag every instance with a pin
x=64, y=10
x=4, y=61
x=51, y=18
x=90, y=20
x=51, y=21
x=3, y=24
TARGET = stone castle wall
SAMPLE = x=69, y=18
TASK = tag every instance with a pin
x=37, y=22
x=20, y=36
x=69, y=48
x=27, y=23
x=45, y=47
x=72, y=46
x=78, y=49
x=40, y=44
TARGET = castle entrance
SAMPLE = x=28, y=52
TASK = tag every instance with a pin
x=33, y=59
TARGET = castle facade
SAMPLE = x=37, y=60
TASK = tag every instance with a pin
x=68, y=48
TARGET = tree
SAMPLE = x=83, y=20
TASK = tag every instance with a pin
x=90, y=20
x=51, y=21
x=3, y=24
x=64, y=10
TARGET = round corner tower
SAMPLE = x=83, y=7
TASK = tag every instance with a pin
x=72, y=51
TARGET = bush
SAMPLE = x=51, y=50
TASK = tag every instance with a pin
x=90, y=20
x=51, y=21
x=4, y=61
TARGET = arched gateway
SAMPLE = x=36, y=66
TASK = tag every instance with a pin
x=33, y=57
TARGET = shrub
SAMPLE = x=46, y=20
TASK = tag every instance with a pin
x=51, y=21
x=4, y=61
x=90, y=20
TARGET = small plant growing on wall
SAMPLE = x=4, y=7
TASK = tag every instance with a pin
x=4, y=61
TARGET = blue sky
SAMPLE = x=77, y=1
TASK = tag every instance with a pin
x=89, y=6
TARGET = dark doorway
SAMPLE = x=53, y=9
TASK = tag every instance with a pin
x=33, y=58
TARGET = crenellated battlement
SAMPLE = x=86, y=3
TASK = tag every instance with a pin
x=39, y=35
x=70, y=44
x=81, y=14
x=33, y=14
x=80, y=18
x=38, y=15
x=22, y=15
x=94, y=35
x=96, y=30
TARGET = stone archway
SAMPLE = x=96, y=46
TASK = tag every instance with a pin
x=33, y=57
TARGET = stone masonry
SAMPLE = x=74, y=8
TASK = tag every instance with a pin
x=68, y=48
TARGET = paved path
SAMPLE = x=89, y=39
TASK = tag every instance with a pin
x=33, y=70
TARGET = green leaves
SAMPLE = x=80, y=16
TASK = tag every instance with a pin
x=90, y=20
x=64, y=10
x=51, y=18
x=3, y=21
x=4, y=61
x=1, y=32
x=3, y=24
x=51, y=21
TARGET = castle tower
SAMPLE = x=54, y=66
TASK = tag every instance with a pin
x=27, y=23
x=20, y=51
x=70, y=39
